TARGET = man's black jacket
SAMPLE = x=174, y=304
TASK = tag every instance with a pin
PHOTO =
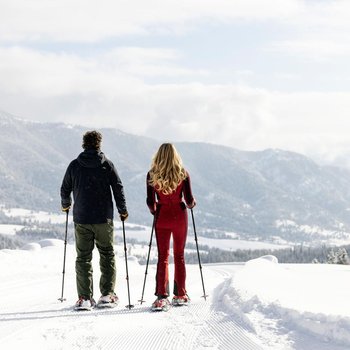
x=91, y=177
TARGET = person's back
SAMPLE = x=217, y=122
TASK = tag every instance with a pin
x=168, y=183
x=92, y=178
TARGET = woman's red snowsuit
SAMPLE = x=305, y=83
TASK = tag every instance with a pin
x=171, y=218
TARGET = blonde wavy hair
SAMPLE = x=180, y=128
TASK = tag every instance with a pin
x=166, y=170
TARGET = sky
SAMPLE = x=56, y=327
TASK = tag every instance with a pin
x=250, y=74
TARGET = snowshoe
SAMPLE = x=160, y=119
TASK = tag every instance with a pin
x=84, y=304
x=108, y=301
x=161, y=304
x=180, y=301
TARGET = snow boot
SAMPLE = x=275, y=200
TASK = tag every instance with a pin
x=180, y=301
x=86, y=304
x=161, y=304
x=108, y=301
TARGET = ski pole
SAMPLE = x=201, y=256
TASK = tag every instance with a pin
x=64, y=257
x=149, y=252
x=126, y=266
x=199, y=259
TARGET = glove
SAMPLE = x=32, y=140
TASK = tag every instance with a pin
x=154, y=209
x=192, y=205
x=123, y=216
x=65, y=209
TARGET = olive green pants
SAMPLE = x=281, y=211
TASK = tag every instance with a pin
x=85, y=238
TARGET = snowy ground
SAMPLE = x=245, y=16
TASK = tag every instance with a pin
x=259, y=305
x=34, y=216
x=137, y=232
x=227, y=244
x=10, y=229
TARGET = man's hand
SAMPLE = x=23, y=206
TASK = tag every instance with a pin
x=65, y=209
x=123, y=216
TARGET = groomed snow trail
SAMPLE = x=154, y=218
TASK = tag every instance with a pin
x=31, y=315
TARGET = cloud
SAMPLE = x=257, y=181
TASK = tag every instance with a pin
x=96, y=91
x=323, y=15
x=313, y=49
x=149, y=62
x=320, y=31
x=155, y=91
x=91, y=20
x=313, y=123
x=50, y=74
x=313, y=28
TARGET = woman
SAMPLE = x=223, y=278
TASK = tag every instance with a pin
x=167, y=184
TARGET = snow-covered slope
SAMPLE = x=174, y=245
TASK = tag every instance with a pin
x=290, y=306
x=262, y=305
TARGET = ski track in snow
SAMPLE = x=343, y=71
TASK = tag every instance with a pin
x=205, y=328
x=31, y=315
x=39, y=319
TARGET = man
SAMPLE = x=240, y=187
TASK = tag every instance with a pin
x=91, y=177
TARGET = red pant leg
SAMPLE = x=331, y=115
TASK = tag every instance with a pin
x=179, y=242
x=162, y=277
x=171, y=220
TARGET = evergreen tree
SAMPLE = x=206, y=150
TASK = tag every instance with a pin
x=342, y=256
x=332, y=257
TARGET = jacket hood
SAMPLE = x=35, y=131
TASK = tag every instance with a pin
x=91, y=158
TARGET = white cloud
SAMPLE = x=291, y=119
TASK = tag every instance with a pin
x=322, y=15
x=97, y=92
x=92, y=20
x=49, y=74
x=152, y=62
x=152, y=91
x=316, y=28
x=314, y=123
x=320, y=31
x=315, y=49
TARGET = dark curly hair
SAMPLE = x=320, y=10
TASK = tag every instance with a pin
x=92, y=140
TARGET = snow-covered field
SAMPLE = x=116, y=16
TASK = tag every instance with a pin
x=10, y=229
x=34, y=216
x=259, y=305
x=138, y=232
x=226, y=244
x=331, y=237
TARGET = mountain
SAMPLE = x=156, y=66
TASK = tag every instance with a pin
x=271, y=194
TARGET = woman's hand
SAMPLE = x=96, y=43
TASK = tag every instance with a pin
x=192, y=205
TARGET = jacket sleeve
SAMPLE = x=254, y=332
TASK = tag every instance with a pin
x=187, y=191
x=151, y=196
x=66, y=188
x=118, y=190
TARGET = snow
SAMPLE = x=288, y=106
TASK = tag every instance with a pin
x=140, y=233
x=258, y=305
x=295, y=301
x=329, y=237
x=6, y=229
x=32, y=280
x=33, y=216
x=143, y=234
x=235, y=244
x=312, y=230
